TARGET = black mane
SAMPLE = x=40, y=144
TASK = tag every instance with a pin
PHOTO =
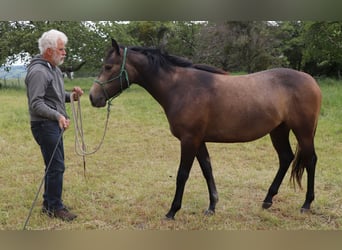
x=161, y=59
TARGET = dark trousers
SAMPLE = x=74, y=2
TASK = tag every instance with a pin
x=46, y=134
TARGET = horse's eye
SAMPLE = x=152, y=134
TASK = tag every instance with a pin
x=108, y=67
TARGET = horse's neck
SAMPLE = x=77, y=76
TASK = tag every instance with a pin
x=157, y=84
x=158, y=87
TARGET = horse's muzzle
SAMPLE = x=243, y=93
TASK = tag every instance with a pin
x=97, y=101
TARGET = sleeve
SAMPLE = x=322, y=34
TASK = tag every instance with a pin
x=67, y=96
x=37, y=83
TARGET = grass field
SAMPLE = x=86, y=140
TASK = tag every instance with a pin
x=130, y=181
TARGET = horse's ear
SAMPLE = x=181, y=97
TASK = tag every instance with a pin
x=115, y=45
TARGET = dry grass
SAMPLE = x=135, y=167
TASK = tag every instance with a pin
x=130, y=182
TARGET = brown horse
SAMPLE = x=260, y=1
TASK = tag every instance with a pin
x=203, y=104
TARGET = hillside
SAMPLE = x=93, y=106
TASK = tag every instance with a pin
x=16, y=71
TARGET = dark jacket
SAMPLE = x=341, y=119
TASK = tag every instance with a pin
x=45, y=90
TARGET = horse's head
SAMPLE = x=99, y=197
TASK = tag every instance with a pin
x=113, y=78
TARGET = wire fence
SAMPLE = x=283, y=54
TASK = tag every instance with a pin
x=14, y=78
x=12, y=83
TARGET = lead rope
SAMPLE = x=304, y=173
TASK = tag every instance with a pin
x=78, y=124
x=42, y=181
x=80, y=146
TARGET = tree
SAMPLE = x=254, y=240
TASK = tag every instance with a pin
x=323, y=48
x=149, y=33
x=290, y=33
x=84, y=44
x=12, y=37
x=85, y=41
x=315, y=47
x=239, y=46
x=183, y=39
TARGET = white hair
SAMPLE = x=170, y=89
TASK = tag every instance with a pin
x=49, y=39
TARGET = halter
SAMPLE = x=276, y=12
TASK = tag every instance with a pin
x=123, y=72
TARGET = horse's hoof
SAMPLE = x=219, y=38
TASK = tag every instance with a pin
x=209, y=212
x=266, y=205
x=304, y=210
x=169, y=217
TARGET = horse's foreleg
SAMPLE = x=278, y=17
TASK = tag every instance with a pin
x=188, y=152
x=204, y=161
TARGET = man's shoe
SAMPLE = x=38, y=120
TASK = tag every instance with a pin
x=64, y=214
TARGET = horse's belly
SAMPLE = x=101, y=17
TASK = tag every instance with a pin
x=234, y=137
x=240, y=132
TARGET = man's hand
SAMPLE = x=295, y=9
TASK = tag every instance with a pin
x=63, y=122
x=77, y=93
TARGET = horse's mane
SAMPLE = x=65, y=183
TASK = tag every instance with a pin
x=210, y=69
x=161, y=59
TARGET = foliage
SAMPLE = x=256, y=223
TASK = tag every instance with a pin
x=247, y=46
x=290, y=33
x=240, y=46
x=12, y=36
x=323, y=47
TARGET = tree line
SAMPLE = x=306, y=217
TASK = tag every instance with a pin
x=248, y=46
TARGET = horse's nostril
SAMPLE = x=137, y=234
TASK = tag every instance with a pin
x=91, y=100
x=97, y=101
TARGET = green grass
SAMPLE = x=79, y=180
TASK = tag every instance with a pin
x=130, y=181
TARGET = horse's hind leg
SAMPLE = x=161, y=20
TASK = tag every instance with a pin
x=308, y=159
x=204, y=161
x=280, y=140
x=310, y=194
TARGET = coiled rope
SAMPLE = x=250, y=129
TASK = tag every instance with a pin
x=80, y=146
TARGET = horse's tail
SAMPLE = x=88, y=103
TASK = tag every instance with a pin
x=297, y=168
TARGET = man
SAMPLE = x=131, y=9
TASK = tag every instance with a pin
x=46, y=101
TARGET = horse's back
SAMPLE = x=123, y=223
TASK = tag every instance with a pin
x=291, y=78
x=291, y=84
x=252, y=105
